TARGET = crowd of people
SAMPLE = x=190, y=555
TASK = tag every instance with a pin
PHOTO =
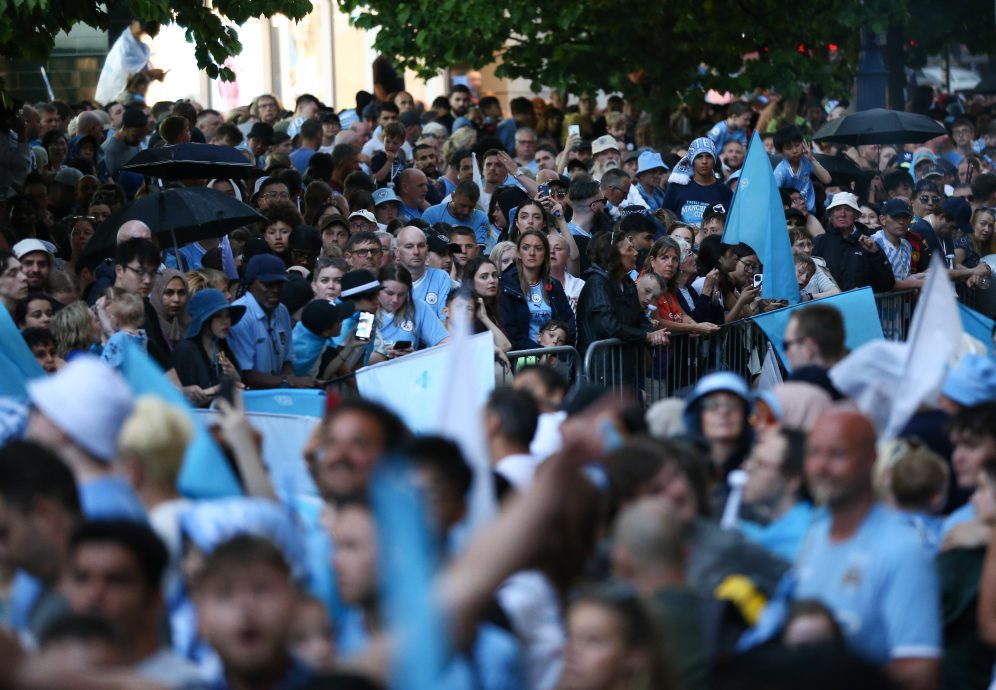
x=726, y=539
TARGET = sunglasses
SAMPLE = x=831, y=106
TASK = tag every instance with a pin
x=929, y=199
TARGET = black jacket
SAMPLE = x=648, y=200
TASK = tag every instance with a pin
x=701, y=308
x=514, y=310
x=850, y=265
x=609, y=308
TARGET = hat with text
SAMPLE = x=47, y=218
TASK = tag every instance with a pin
x=363, y=213
x=606, y=142
x=385, y=195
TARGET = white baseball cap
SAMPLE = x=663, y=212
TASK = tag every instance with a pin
x=25, y=247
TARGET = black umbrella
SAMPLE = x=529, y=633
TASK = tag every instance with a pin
x=191, y=162
x=185, y=215
x=880, y=126
x=839, y=166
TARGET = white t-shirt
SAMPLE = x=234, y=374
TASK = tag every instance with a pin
x=572, y=286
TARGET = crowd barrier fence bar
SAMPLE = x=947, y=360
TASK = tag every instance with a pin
x=563, y=358
x=895, y=311
x=669, y=370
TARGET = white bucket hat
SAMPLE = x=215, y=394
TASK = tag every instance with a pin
x=89, y=401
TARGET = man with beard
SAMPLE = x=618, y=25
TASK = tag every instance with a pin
x=863, y=562
x=123, y=146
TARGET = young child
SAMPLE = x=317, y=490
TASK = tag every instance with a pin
x=649, y=290
x=799, y=165
x=552, y=334
x=734, y=127
x=42, y=344
x=121, y=314
x=805, y=269
x=917, y=481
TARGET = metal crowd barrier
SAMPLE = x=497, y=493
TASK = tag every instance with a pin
x=564, y=359
x=655, y=373
x=895, y=311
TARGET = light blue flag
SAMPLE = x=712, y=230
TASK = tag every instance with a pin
x=17, y=364
x=757, y=218
x=977, y=325
x=861, y=322
x=205, y=472
x=407, y=563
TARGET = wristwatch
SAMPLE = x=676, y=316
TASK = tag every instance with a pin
x=519, y=172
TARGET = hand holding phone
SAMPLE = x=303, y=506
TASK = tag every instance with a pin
x=364, y=326
x=758, y=277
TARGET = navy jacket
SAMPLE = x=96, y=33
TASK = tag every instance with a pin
x=514, y=310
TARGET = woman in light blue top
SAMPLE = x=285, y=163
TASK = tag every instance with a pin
x=401, y=318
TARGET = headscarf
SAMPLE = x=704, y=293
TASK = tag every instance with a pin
x=802, y=404
x=683, y=171
x=174, y=328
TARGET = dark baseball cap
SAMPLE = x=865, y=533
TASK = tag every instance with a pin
x=266, y=268
x=359, y=282
x=320, y=315
x=896, y=207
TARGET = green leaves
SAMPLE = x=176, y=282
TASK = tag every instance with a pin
x=29, y=27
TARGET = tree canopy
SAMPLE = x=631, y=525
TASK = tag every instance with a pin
x=659, y=53
x=29, y=27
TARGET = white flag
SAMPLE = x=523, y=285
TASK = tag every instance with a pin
x=934, y=338
x=771, y=373
x=461, y=414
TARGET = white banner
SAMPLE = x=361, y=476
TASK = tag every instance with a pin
x=284, y=438
x=416, y=386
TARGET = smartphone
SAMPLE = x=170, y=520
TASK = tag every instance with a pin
x=364, y=325
x=574, y=130
x=543, y=190
x=403, y=345
x=757, y=279
x=226, y=389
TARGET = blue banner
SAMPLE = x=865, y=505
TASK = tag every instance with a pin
x=977, y=325
x=861, y=322
x=17, y=364
x=205, y=472
x=407, y=565
x=757, y=218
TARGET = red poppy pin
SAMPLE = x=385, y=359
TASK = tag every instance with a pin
x=549, y=287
